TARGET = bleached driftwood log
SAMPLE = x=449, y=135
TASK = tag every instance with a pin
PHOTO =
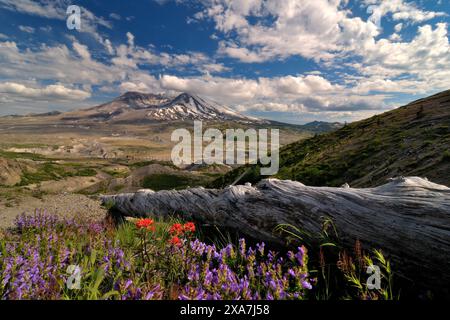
x=409, y=218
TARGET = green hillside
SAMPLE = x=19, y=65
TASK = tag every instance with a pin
x=411, y=140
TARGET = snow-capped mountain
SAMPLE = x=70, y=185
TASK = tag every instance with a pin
x=140, y=107
x=186, y=106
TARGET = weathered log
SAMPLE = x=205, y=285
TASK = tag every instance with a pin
x=409, y=218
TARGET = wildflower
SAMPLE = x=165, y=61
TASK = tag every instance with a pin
x=176, y=229
x=154, y=293
x=189, y=227
x=292, y=273
x=300, y=254
x=242, y=247
x=306, y=284
x=260, y=247
x=96, y=227
x=175, y=241
x=147, y=224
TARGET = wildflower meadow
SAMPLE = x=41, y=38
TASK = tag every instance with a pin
x=48, y=257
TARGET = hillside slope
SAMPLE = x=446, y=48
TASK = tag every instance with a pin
x=412, y=140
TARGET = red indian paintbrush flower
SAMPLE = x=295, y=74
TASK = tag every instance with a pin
x=147, y=224
x=176, y=229
x=189, y=227
x=175, y=241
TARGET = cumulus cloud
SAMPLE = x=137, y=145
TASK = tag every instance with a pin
x=424, y=61
x=310, y=93
x=402, y=10
x=308, y=28
x=313, y=29
x=16, y=91
x=248, y=89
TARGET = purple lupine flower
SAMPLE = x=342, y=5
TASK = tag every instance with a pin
x=299, y=255
x=292, y=273
x=242, y=247
x=260, y=247
x=306, y=285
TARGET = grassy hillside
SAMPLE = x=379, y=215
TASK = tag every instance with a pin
x=411, y=140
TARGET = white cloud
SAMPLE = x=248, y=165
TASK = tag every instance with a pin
x=308, y=28
x=249, y=89
x=130, y=39
x=231, y=50
x=109, y=47
x=395, y=37
x=214, y=68
x=425, y=60
x=26, y=29
x=133, y=86
x=398, y=27
x=322, y=30
x=46, y=28
x=310, y=93
x=115, y=16
x=402, y=10
x=82, y=51
x=53, y=92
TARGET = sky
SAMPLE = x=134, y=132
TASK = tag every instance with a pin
x=293, y=60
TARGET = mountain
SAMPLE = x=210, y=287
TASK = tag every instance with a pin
x=187, y=106
x=136, y=107
x=413, y=140
x=322, y=126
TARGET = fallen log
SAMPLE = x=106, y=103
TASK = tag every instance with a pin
x=408, y=218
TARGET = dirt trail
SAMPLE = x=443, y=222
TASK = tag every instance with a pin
x=62, y=204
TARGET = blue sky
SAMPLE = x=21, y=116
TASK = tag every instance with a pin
x=292, y=60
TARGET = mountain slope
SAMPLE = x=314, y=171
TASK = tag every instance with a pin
x=411, y=140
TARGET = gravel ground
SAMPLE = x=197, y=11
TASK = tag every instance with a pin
x=62, y=204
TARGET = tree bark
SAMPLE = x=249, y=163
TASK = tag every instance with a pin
x=408, y=218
